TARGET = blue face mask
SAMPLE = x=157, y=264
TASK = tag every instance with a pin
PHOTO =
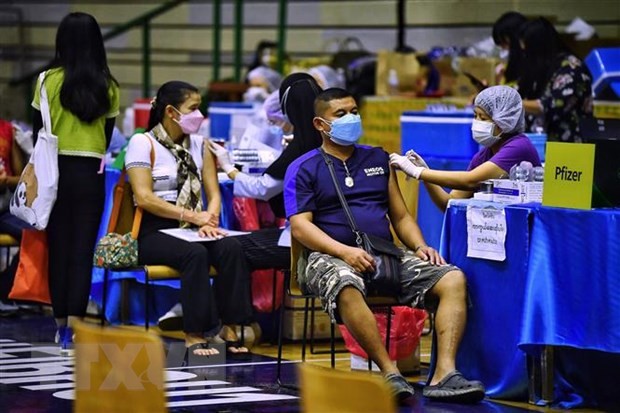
x=346, y=130
x=275, y=130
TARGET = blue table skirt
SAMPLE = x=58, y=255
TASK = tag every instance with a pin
x=559, y=286
x=166, y=294
x=488, y=351
x=573, y=302
x=573, y=296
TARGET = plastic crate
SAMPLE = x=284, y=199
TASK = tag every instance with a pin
x=604, y=65
x=227, y=118
x=438, y=134
x=539, y=140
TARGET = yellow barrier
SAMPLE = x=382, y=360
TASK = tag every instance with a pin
x=381, y=117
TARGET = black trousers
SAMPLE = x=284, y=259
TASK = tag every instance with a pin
x=72, y=233
x=262, y=251
x=203, y=305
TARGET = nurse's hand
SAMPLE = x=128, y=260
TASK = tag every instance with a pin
x=415, y=159
x=404, y=164
x=223, y=158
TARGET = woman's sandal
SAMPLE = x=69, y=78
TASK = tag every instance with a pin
x=190, y=353
x=455, y=388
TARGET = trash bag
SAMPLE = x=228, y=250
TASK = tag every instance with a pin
x=406, y=329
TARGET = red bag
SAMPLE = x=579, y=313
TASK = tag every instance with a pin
x=251, y=214
x=31, y=279
x=406, y=329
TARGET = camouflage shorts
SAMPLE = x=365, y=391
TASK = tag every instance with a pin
x=326, y=276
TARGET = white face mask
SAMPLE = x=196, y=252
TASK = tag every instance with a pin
x=503, y=54
x=482, y=132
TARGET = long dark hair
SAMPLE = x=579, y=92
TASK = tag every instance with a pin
x=506, y=30
x=544, y=51
x=172, y=93
x=87, y=78
x=297, y=94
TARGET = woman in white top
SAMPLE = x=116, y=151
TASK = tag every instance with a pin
x=170, y=194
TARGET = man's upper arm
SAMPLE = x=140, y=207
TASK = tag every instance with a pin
x=397, y=208
x=299, y=193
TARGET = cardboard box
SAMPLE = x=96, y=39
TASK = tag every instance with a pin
x=455, y=83
x=300, y=303
x=516, y=192
x=294, y=325
x=407, y=365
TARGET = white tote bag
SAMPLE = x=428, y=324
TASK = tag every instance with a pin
x=35, y=194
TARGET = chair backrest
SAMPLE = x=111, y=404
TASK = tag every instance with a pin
x=329, y=390
x=126, y=211
x=118, y=370
x=297, y=249
x=124, y=216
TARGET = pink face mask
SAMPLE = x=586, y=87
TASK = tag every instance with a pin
x=190, y=122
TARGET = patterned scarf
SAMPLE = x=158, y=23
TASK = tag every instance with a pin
x=188, y=180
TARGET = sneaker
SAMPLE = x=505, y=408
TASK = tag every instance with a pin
x=60, y=334
x=401, y=389
x=7, y=308
x=67, y=348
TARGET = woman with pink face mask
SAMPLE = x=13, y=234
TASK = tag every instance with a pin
x=169, y=190
x=498, y=128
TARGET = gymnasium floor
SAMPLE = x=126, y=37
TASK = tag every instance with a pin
x=34, y=378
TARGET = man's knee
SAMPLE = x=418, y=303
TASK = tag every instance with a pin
x=453, y=283
x=349, y=296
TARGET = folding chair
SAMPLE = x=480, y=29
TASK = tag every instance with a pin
x=291, y=287
x=7, y=241
x=328, y=390
x=118, y=370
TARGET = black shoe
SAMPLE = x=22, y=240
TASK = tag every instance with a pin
x=455, y=388
x=401, y=389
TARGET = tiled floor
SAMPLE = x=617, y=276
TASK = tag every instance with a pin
x=35, y=378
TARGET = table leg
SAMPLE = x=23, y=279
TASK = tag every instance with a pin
x=540, y=380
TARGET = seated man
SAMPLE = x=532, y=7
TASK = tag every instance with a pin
x=336, y=266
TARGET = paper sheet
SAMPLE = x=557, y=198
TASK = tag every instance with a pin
x=191, y=234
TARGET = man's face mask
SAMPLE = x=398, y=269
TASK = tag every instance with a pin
x=346, y=130
x=482, y=132
x=190, y=122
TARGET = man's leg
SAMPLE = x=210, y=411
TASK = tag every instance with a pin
x=450, y=319
x=361, y=322
x=340, y=289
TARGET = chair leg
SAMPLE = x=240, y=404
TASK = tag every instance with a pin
x=312, y=304
x=431, y=324
x=280, y=329
x=305, y=331
x=332, y=331
x=147, y=299
x=273, y=301
x=388, y=329
x=104, y=296
x=279, y=363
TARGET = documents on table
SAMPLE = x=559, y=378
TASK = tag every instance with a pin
x=191, y=234
x=486, y=232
